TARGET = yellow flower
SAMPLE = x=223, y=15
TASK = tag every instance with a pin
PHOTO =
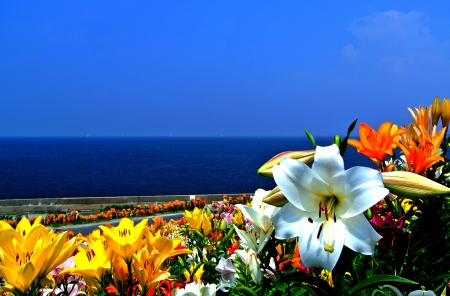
x=194, y=219
x=30, y=253
x=125, y=239
x=92, y=263
x=199, y=220
x=194, y=273
x=147, y=264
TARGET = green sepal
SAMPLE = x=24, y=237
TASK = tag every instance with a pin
x=343, y=146
x=311, y=138
x=380, y=280
x=337, y=141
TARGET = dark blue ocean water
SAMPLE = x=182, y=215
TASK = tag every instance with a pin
x=81, y=167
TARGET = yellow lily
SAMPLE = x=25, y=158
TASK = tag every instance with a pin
x=92, y=263
x=147, y=269
x=194, y=273
x=125, y=239
x=198, y=220
x=20, y=267
x=147, y=264
x=194, y=219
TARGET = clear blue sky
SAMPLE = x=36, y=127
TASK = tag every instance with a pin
x=201, y=68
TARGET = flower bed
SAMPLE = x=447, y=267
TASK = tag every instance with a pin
x=323, y=230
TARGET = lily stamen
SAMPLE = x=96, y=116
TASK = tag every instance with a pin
x=320, y=230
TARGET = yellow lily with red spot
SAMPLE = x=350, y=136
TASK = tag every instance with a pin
x=125, y=239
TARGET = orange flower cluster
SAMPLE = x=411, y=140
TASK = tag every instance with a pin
x=76, y=217
x=419, y=141
x=241, y=199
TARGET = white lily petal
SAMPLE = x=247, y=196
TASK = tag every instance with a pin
x=258, y=198
x=255, y=270
x=422, y=293
x=258, y=220
x=360, y=235
x=312, y=248
x=357, y=190
x=300, y=185
x=328, y=162
x=264, y=238
x=248, y=238
x=289, y=222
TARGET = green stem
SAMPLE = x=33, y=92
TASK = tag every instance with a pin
x=340, y=269
x=130, y=278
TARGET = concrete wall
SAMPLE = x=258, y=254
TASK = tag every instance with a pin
x=94, y=203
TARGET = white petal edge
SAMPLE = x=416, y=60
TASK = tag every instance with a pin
x=312, y=249
x=357, y=189
x=328, y=162
x=360, y=235
x=288, y=221
x=300, y=185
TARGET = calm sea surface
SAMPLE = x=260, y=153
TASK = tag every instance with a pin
x=81, y=167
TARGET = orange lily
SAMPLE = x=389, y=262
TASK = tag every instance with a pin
x=425, y=153
x=377, y=144
x=421, y=117
x=418, y=159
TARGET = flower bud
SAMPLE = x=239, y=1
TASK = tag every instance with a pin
x=412, y=185
x=436, y=111
x=208, y=211
x=445, y=112
x=223, y=225
x=275, y=198
x=305, y=156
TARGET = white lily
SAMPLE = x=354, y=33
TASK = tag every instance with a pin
x=261, y=224
x=196, y=289
x=326, y=205
x=262, y=207
x=228, y=272
x=248, y=257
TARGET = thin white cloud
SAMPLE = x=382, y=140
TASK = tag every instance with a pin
x=395, y=43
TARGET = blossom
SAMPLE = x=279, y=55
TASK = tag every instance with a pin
x=377, y=144
x=126, y=238
x=326, y=204
x=196, y=289
x=227, y=272
x=249, y=258
x=262, y=207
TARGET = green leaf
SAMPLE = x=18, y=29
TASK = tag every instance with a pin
x=311, y=138
x=319, y=286
x=378, y=280
x=344, y=144
x=246, y=290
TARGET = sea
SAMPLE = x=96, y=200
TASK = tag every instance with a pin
x=140, y=166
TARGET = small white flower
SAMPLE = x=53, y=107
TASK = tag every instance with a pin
x=196, y=289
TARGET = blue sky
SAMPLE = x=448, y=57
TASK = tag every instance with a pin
x=203, y=68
